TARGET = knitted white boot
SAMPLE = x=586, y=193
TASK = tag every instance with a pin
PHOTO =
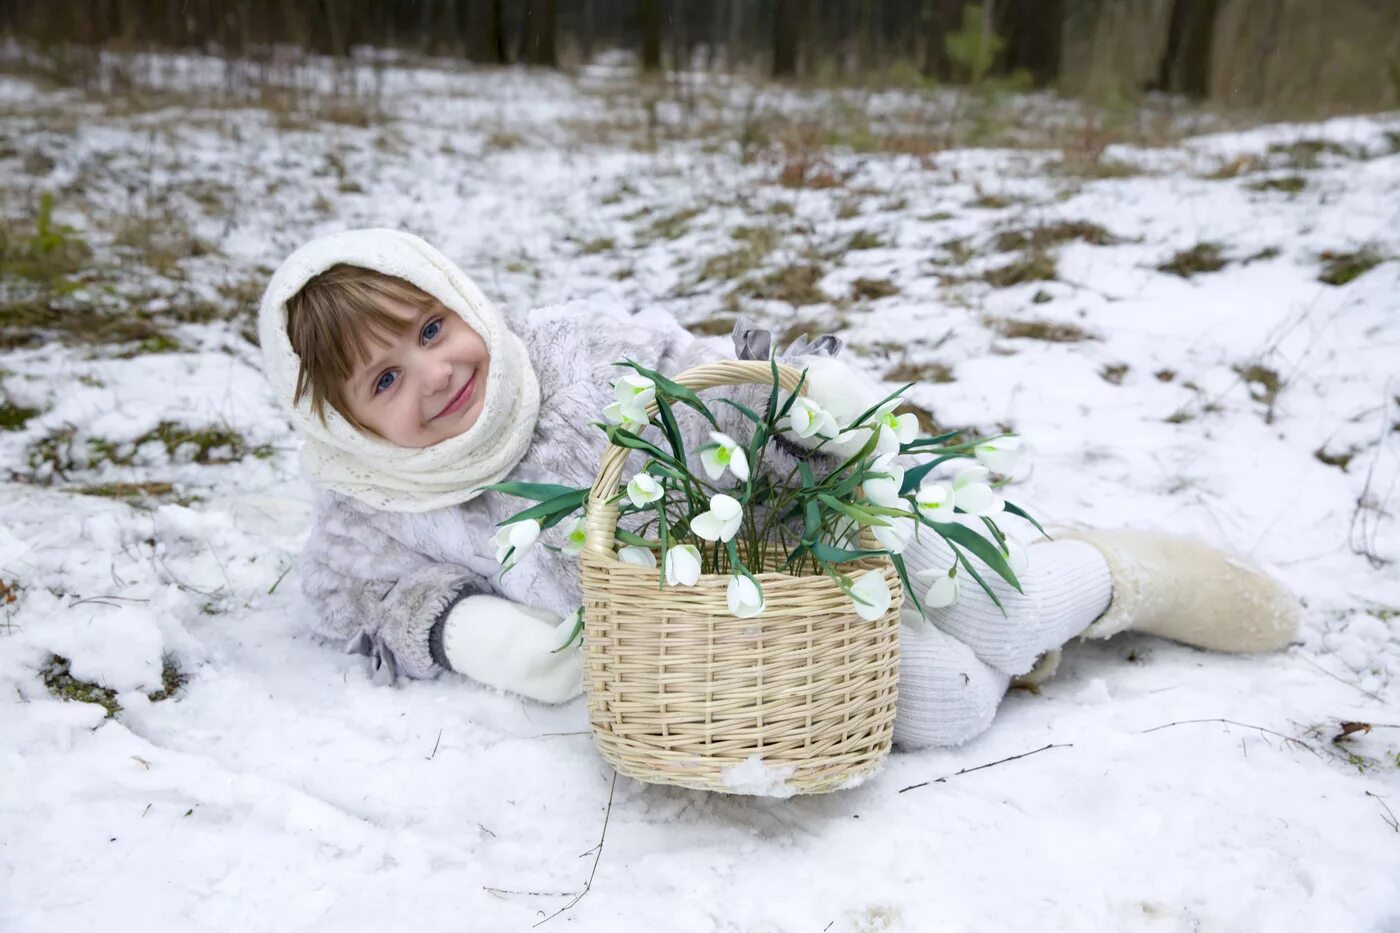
x=1190, y=592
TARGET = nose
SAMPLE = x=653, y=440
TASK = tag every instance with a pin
x=437, y=375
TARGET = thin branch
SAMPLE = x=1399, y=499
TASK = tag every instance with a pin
x=1243, y=725
x=588, y=885
x=1389, y=819
x=988, y=765
x=1342, y=680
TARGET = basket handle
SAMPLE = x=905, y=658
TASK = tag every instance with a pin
x=601, y=514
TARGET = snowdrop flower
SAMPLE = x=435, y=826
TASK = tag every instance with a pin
x=642, y=557
x=722, y=521
x=629, y=419
x=1000, y=454
x=935, y=502
x=728, y=453
x=973, y=494
x=518, y=535
x=1017, y=556
x=744, y=596
x=885, y=490
x=806, y=418
x=894, y=429
x=642, y=489
x=896, y=535
x=575, y=536
x=633, y=394
x=682, y=565
x=944, y=589
x=873, y=593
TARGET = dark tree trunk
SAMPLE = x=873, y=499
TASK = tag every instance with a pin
x=943, y=17
x=1186, y=64
x=787, y=24
x=651, y=35
x=585, y=32
x=484, y=31
x=537, y=40
x=734, y=46
x=1032, y=30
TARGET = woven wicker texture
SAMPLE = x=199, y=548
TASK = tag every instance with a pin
x=682, y=692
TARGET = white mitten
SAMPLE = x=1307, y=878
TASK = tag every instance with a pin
x=511, y=646
x=842, y=391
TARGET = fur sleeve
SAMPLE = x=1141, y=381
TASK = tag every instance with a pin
x=362, y=582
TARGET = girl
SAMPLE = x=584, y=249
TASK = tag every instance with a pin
x=411, y=392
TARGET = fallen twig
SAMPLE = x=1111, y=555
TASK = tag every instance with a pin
x=1230, y=722
x=588, y=885
x=987, y=765
x=1389, y=818
x=1342, y=680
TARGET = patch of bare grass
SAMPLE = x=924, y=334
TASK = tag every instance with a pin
x=1048, y=331
x=1339, y=268
x=1034, y=266
x=1199, y=259
x=933, y=372
x=1046, y=236
x=865, y=289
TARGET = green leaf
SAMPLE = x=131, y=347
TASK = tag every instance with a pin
x=627, y=537
x=996, y=533
x=860, y=515
x=787, y=405
x=537, y=491
x=747, y=412
x=578, y=627
x=795, y=556
x=921, y=442
x=672, y=431
x=876, y=407
x=835, y=555
x=673, y=389
x=624, y=438
x=978, y=545
x=563, y=505
x=1016, y=510
x=870, y=443
x=898, y=561
x=914, y=476
x=972, y=572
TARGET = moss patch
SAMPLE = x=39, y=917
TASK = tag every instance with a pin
x=921, y=372
x=1113, y=374
x=1341, y=268
x=796, y=284
x=864, y=239
x=1050, y=331
x=672, y=225
x=62, y=684
x=1288, y=184
x=712, y=327
x=1264, y=386
x=1035, y=266
x=1199, y=259
x=1047, y=235
x=872, y=289
x=205, y=446
x=14, y=417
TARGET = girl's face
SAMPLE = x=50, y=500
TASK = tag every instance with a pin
x=425, y=385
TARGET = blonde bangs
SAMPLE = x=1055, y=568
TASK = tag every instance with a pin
x=334, y=324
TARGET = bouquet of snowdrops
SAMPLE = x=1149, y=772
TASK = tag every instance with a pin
x=733, y=519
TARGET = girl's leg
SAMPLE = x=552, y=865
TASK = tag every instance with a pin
x=946, y=695
x=1066, y=586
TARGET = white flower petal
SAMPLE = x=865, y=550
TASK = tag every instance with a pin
x=713, y=460
x=643, y=489
x=906, y=427
x=895, y=536
x=1000, y=454
x=943, y=592
x=975, y=499
x=642, y=557
x=576, y=536
x=739, y=464
x=682, y=565
x=970, y=476
x=725, y=507
x=744, y=598
x=707, y=525
x=874, y=595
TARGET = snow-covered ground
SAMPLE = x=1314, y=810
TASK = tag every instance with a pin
x=278, y=789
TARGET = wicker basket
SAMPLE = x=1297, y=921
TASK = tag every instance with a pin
x=799, y=699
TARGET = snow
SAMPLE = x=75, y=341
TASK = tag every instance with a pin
x=1157, y=787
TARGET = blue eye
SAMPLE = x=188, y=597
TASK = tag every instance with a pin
x=385, y=381
x=431, y=330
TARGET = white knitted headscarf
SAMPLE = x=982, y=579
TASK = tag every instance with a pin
x=403, y=479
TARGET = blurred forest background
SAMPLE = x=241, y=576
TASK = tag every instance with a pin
x=1295, y=58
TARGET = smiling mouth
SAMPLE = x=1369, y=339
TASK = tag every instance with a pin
x=459, y=400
